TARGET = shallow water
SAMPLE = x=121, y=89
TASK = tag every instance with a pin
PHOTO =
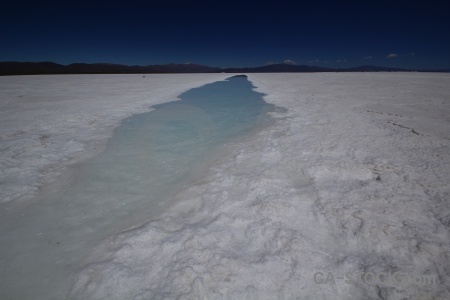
x=150, y=157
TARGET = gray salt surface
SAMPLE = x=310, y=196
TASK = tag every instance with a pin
x=149, y=158
x=353, y=179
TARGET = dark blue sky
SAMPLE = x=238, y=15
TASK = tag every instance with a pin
x=413, y=34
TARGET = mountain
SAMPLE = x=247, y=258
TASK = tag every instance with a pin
x=183, y=68
x=81, y=68
x=32, y=68
x=368, y=68
x=279, y=68
x=35, y=68
x=124, y=69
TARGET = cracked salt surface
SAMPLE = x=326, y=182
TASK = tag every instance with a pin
x=149, y=158
x=49, y=123
x=331, y=188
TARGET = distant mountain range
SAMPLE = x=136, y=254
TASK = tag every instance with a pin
x=38, y=68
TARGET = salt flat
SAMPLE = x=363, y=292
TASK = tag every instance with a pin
x=346, y=196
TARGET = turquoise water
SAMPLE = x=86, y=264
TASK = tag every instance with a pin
x=153, y=154
x=150, y=157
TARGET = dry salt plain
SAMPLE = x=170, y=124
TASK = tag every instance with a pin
x=344, y=196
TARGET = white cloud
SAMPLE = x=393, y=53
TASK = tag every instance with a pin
x=289, y=62
x=392, y=55
x=368, y=57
